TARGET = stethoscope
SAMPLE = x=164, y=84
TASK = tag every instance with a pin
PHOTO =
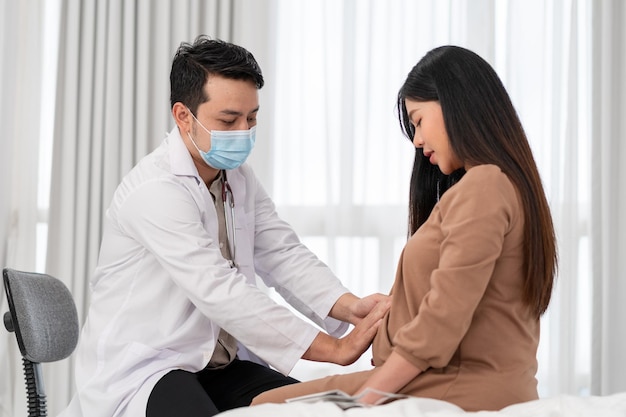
x=229, y=201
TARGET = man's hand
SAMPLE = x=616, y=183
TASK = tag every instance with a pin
x=352, y=309
x=348, y=349
x=363, y=306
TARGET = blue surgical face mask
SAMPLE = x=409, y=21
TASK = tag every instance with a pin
x=229, y=148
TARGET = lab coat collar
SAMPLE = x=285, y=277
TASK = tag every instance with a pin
x=181, y=163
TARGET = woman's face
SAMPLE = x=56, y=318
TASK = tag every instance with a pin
x=430, y=134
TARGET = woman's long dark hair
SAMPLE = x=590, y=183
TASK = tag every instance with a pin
x=483, y=128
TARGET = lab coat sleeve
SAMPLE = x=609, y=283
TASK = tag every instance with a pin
x=288, y=266
x=164, y=216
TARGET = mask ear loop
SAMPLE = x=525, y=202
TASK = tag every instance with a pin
x=198, y=121
x=230, y=229
x=189, y=134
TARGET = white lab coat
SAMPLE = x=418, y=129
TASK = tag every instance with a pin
x=162, y=289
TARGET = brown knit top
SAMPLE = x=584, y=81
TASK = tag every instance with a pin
x=457, y=310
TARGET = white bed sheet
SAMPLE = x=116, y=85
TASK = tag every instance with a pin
x=559, y=406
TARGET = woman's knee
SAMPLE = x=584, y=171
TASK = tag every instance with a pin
x=348, y=383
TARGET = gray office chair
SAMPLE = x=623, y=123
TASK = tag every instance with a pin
x=43, y=316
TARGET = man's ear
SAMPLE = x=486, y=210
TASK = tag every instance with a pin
x=182, y=117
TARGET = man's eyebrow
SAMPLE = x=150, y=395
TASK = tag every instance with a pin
x=235, y=112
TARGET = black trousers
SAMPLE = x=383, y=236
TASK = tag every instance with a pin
x=211, y=391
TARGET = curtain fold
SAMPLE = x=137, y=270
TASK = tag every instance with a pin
x=608, y=177
x=112, y=108
x=20, y=84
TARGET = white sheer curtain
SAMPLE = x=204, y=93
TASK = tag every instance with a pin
x=608, y=196
x=340, y=167
x=22, y=46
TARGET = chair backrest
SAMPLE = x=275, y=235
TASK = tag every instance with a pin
x=43, y=315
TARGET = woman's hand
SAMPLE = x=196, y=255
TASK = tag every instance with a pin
x=391, y=377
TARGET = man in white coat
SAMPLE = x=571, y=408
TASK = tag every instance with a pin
x=177, y=325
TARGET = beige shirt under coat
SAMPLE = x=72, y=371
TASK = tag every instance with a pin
x=226, y=347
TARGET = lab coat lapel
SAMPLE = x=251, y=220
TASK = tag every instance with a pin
x=182, y=165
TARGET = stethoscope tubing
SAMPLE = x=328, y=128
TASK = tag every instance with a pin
x=229, y=206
